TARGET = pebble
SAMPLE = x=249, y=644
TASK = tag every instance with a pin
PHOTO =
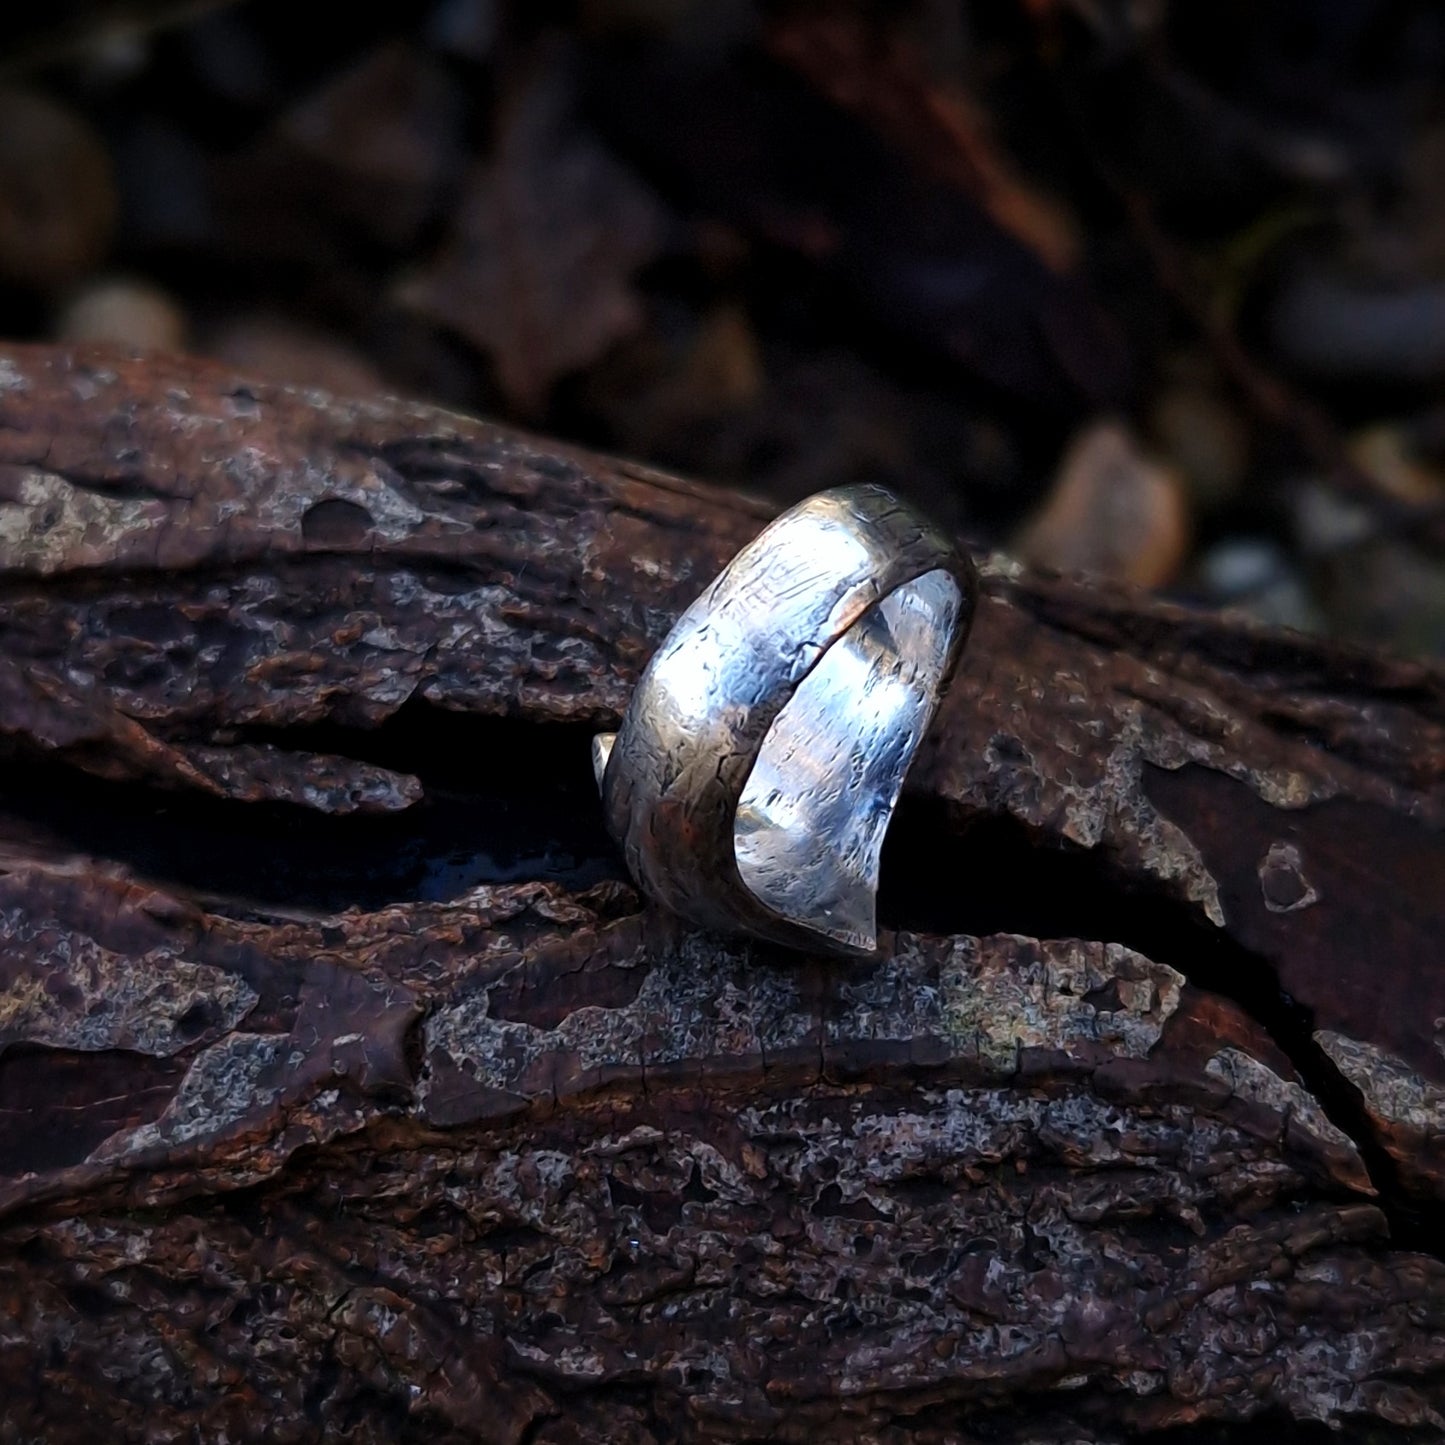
x=1253, y=575
x=123, y=312
x=1386, y=454
x=1112, y=511
x=1325, y=521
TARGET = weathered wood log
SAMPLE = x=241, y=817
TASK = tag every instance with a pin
x=347, y=1090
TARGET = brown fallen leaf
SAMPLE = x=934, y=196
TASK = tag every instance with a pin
x=537, y=267
x=378, y=141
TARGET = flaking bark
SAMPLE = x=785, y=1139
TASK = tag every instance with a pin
x=339, y=1098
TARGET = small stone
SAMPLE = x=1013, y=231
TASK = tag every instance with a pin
x=1386, y=455
x=1327, y=522
x=123, y=312
x=1253, y=575
x=1112, y=511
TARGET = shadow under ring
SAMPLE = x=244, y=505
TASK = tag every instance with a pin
x=761, y=756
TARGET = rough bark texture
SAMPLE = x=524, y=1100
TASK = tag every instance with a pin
x=348, y=1091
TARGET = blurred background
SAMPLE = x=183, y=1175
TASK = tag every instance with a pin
x=1149, y=288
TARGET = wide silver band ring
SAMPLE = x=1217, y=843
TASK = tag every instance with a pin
x=760, y=759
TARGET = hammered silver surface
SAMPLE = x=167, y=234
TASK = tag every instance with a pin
x=761, y=757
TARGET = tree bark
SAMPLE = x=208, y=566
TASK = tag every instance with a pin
x=348, y=1091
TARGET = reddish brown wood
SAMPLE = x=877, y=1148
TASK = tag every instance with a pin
x=347, y=1090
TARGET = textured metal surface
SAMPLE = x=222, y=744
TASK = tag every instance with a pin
x=760, y=759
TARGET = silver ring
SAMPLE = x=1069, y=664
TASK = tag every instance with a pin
x=761, y=757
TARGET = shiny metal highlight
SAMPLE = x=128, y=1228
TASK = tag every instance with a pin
x=761, y=757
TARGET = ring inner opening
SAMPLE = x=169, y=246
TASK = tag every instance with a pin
x=811, y=819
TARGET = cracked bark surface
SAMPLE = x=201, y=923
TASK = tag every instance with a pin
x=348, y=1091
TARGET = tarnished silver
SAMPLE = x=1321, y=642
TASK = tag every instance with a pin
x=761, y=757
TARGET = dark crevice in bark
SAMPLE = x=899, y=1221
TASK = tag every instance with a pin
x=507, y=801
x=459, y=751
x=504, y=802
x=947, y=872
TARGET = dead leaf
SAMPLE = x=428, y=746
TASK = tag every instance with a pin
x=537, y=269
x=378, y=141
